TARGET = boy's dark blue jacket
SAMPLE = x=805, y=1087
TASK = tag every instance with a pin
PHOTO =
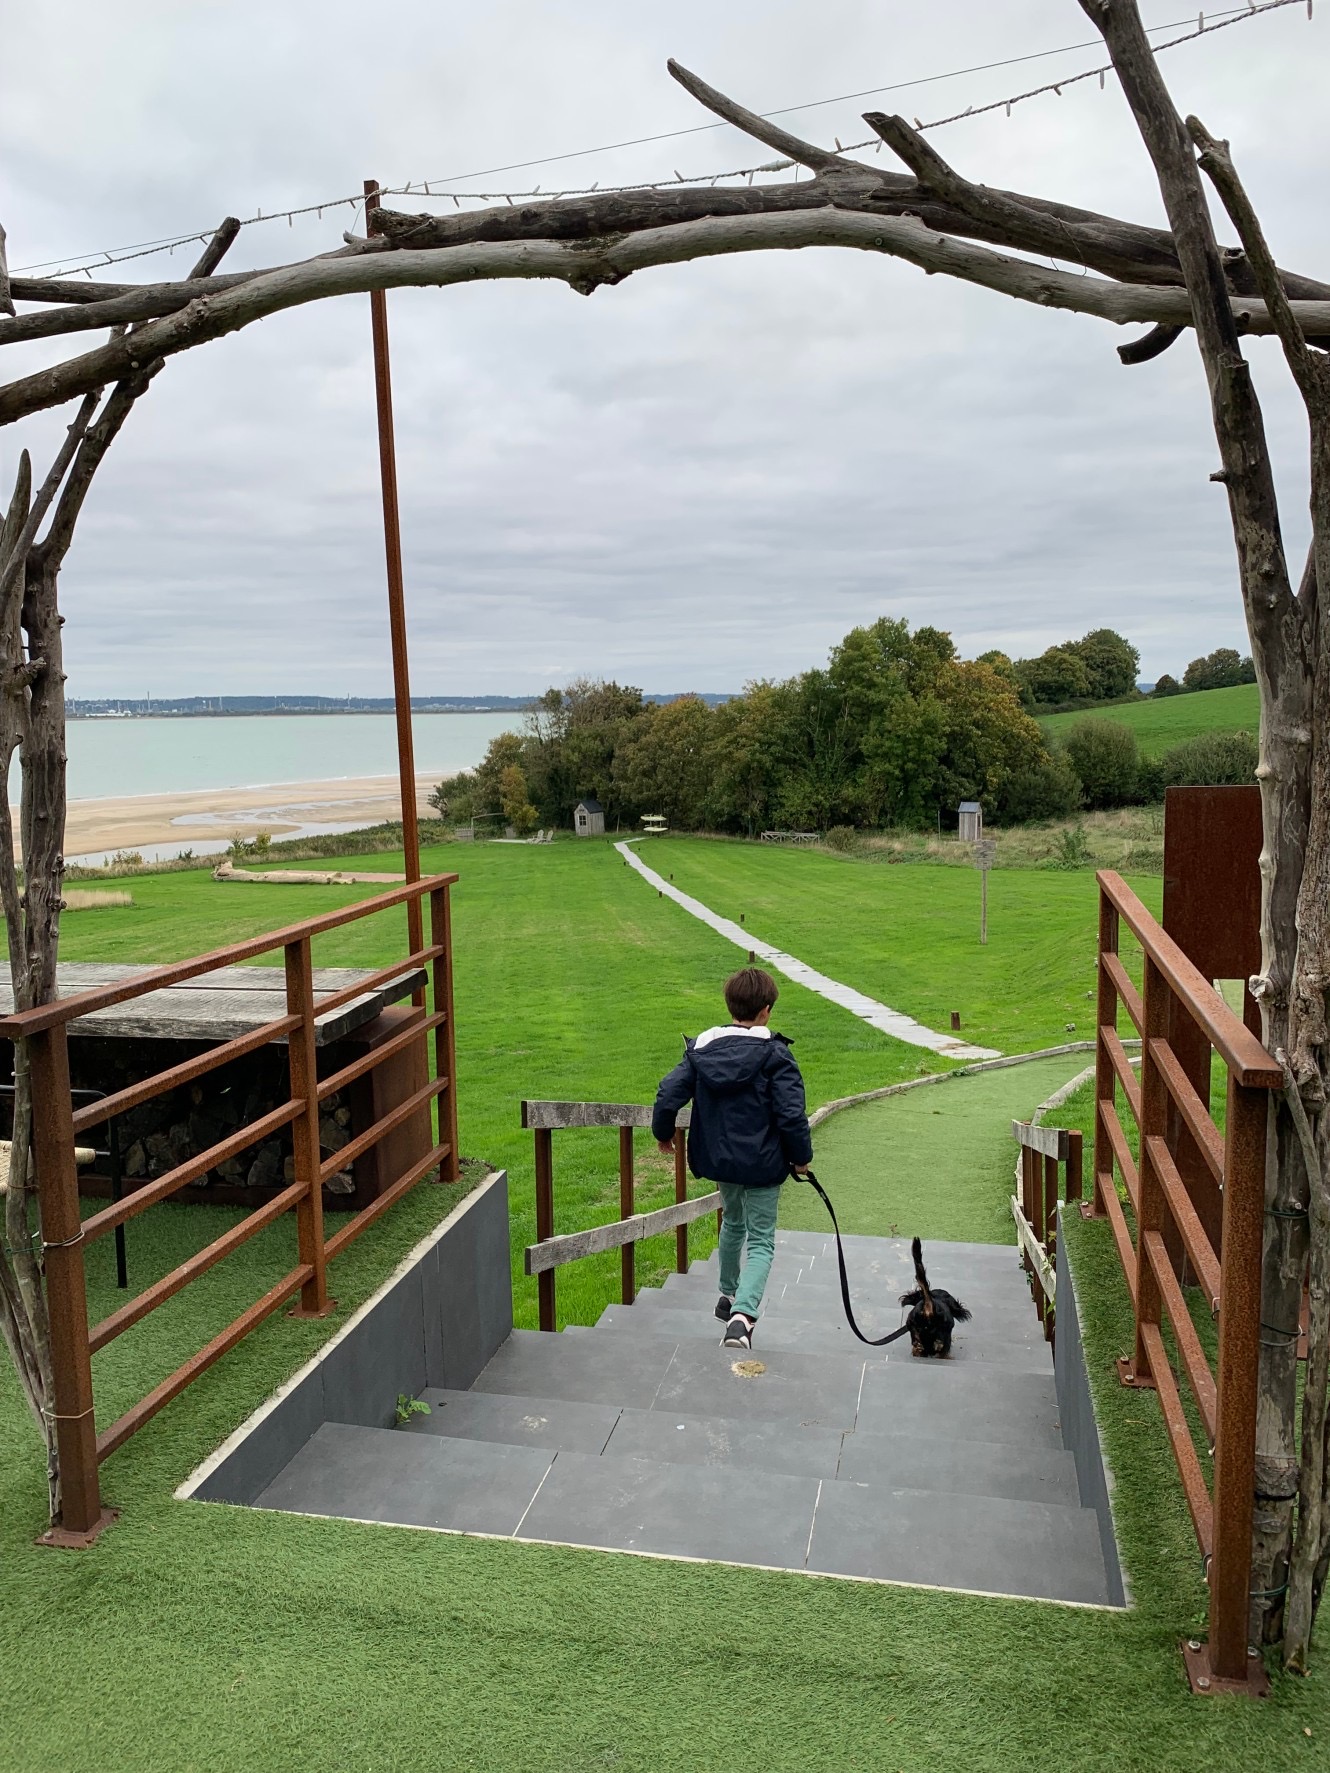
x=748, y=1123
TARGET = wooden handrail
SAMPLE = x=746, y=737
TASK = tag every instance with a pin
x=22, y=1023
x=554, y=1252
x=1235, y=1043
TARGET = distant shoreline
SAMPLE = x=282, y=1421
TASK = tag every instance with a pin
x=280, y=713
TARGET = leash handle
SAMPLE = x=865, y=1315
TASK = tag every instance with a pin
x=872, y=1341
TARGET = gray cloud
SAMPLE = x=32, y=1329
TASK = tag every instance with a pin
x=703, y=476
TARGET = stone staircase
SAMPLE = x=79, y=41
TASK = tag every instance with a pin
x=642, y=1434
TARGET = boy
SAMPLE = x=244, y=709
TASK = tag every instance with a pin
x=748, y=1131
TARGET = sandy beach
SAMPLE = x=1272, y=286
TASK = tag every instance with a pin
x=207, y=818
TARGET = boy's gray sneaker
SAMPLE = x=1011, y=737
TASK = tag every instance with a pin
x=724, y=1307
x=738, y=1332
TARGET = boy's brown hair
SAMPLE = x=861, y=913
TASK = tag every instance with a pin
x=748, y=992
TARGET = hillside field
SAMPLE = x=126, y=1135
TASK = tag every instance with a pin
x=1158, y=725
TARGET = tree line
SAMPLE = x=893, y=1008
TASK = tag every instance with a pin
x=896, y=730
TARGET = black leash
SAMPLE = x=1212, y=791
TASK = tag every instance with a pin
x=872, y=1341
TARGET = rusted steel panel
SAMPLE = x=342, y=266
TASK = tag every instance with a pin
x=1212, y=878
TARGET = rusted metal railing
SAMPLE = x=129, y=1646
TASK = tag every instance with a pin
x=1171, y=1242
x=1051, y=1167
x=57, y=1124
x=550, y=1253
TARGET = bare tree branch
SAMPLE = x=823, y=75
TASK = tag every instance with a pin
x=771, y=135
x=1154, y=344
x=6, y=299
x=588, y=266
x=11, y=563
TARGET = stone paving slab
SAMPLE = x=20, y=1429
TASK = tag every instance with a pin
x=583, y=1369
x=554, y=1423
x=978, y=1542
x=780, y=1446
x=814, y=1390
x=675, y=1510
x=1016, y=1471
x=971, y=1402
x=376, y=1474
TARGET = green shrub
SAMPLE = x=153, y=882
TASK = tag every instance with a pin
x=1049, y=789
x=1167, y=686
x=840, y=837
x=1210, y=759
x=1071, y=848
x=1104, y=756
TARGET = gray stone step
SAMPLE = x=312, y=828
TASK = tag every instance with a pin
x=1011, y=1318
x=707, y=1511
x=557, y=1424
x=1015, y=1472
x=982, y=1543
x=830, y=1335
x=969, y=1400
x=414, y=1480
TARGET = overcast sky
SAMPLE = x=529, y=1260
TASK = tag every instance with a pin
x=703, y=476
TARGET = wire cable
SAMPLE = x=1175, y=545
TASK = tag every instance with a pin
x=421, y=187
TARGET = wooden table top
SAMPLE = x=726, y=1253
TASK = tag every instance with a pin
x=218, y=1006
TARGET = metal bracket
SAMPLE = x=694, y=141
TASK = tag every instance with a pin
x=64, y=1539
x=1130, y=1377
x=1204, y=1681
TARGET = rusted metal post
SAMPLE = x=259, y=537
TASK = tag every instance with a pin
x=81, y=1514
x=301, y=1057
x=1075, y=1165
x=445, y=1036
x=628, y=1252
x=680, y=1194
x=1239, y=1364
x=1106, y=1016
x=392, y=546
x=1152, y=1213
x=544, y=1143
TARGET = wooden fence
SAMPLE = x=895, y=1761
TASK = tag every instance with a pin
x=549, y=1253
x=1165, y=1244
x=57, y=1125
x=1046, y=1154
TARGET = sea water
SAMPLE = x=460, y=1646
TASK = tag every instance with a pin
x=151, y=755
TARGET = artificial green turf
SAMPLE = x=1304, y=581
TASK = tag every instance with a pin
x=203, y=1637
x=935, y=1162
x=1159, y=725
x=908, y=934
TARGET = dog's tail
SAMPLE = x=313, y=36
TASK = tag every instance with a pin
x=921, y=1276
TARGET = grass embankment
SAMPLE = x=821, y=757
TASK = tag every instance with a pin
x=1168, y=721
x=206, y=1638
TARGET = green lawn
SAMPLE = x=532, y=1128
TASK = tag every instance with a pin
x=908, y=934
x=204, y=1639
x=1158, y=725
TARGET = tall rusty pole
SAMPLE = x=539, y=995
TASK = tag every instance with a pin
x=392, y=547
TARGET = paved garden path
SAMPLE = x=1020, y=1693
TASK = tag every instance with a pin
x=868, y=1009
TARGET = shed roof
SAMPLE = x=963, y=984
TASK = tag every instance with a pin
x=590, y=805
x=970, y=806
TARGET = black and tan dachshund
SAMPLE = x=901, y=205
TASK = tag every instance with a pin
x=933, y=1312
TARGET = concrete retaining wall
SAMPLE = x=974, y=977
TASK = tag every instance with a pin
x=1080, y=1431
x=436, y=1321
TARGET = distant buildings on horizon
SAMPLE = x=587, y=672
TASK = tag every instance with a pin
x=131, y=707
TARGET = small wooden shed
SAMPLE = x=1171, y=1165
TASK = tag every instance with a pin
x=971, y=821
x=589, y=818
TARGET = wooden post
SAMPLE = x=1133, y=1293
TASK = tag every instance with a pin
x=1075, y=1164
x=628, y=1254
x=680, y=1194
x=1106, y=1016
x=1239, y=1369
x=445, y=1036
x=392, y=547
x=544, y=1142
x=1152, y=1214
x=81, y=1515
x=1048, y=1234
x=301, y=1058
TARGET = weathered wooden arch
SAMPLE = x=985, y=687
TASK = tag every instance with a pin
x=1169, y=280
